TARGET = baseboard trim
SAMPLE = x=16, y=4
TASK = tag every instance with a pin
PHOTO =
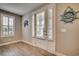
x=27, y=42
x=10, y=42
x=3, y=44
x=59, y=54
x=56, y=53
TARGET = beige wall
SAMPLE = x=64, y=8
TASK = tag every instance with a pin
x=18, y=30
x=27, y=33
x=67, y=42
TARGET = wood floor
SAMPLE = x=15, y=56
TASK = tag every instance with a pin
x=22, y=49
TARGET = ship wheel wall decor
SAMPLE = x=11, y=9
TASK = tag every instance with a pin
x=69, y=15
x=25, y=23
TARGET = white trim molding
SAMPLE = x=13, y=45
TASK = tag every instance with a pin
x=3, y=44
x=59, y=54
x=27, y=42
x=56, y=53
x=10, y=42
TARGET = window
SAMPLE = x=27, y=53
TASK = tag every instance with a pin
x=40, y=25
x=50, y=24
x=7, y=26
x=33, y=26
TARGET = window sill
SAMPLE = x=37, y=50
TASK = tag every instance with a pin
x=6, y=36
x=42, y=39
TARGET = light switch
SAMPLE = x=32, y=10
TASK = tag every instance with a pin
x=63, y=30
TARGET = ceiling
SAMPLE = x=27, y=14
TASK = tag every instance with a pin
x=20, y=8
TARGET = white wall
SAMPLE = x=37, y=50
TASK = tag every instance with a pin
x=27, y=34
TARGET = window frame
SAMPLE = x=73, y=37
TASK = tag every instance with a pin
x=46, y=25
x=52, y=20
x=13, y=26
x=43, y=25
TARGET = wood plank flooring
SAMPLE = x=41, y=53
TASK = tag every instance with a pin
x=22, y=49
